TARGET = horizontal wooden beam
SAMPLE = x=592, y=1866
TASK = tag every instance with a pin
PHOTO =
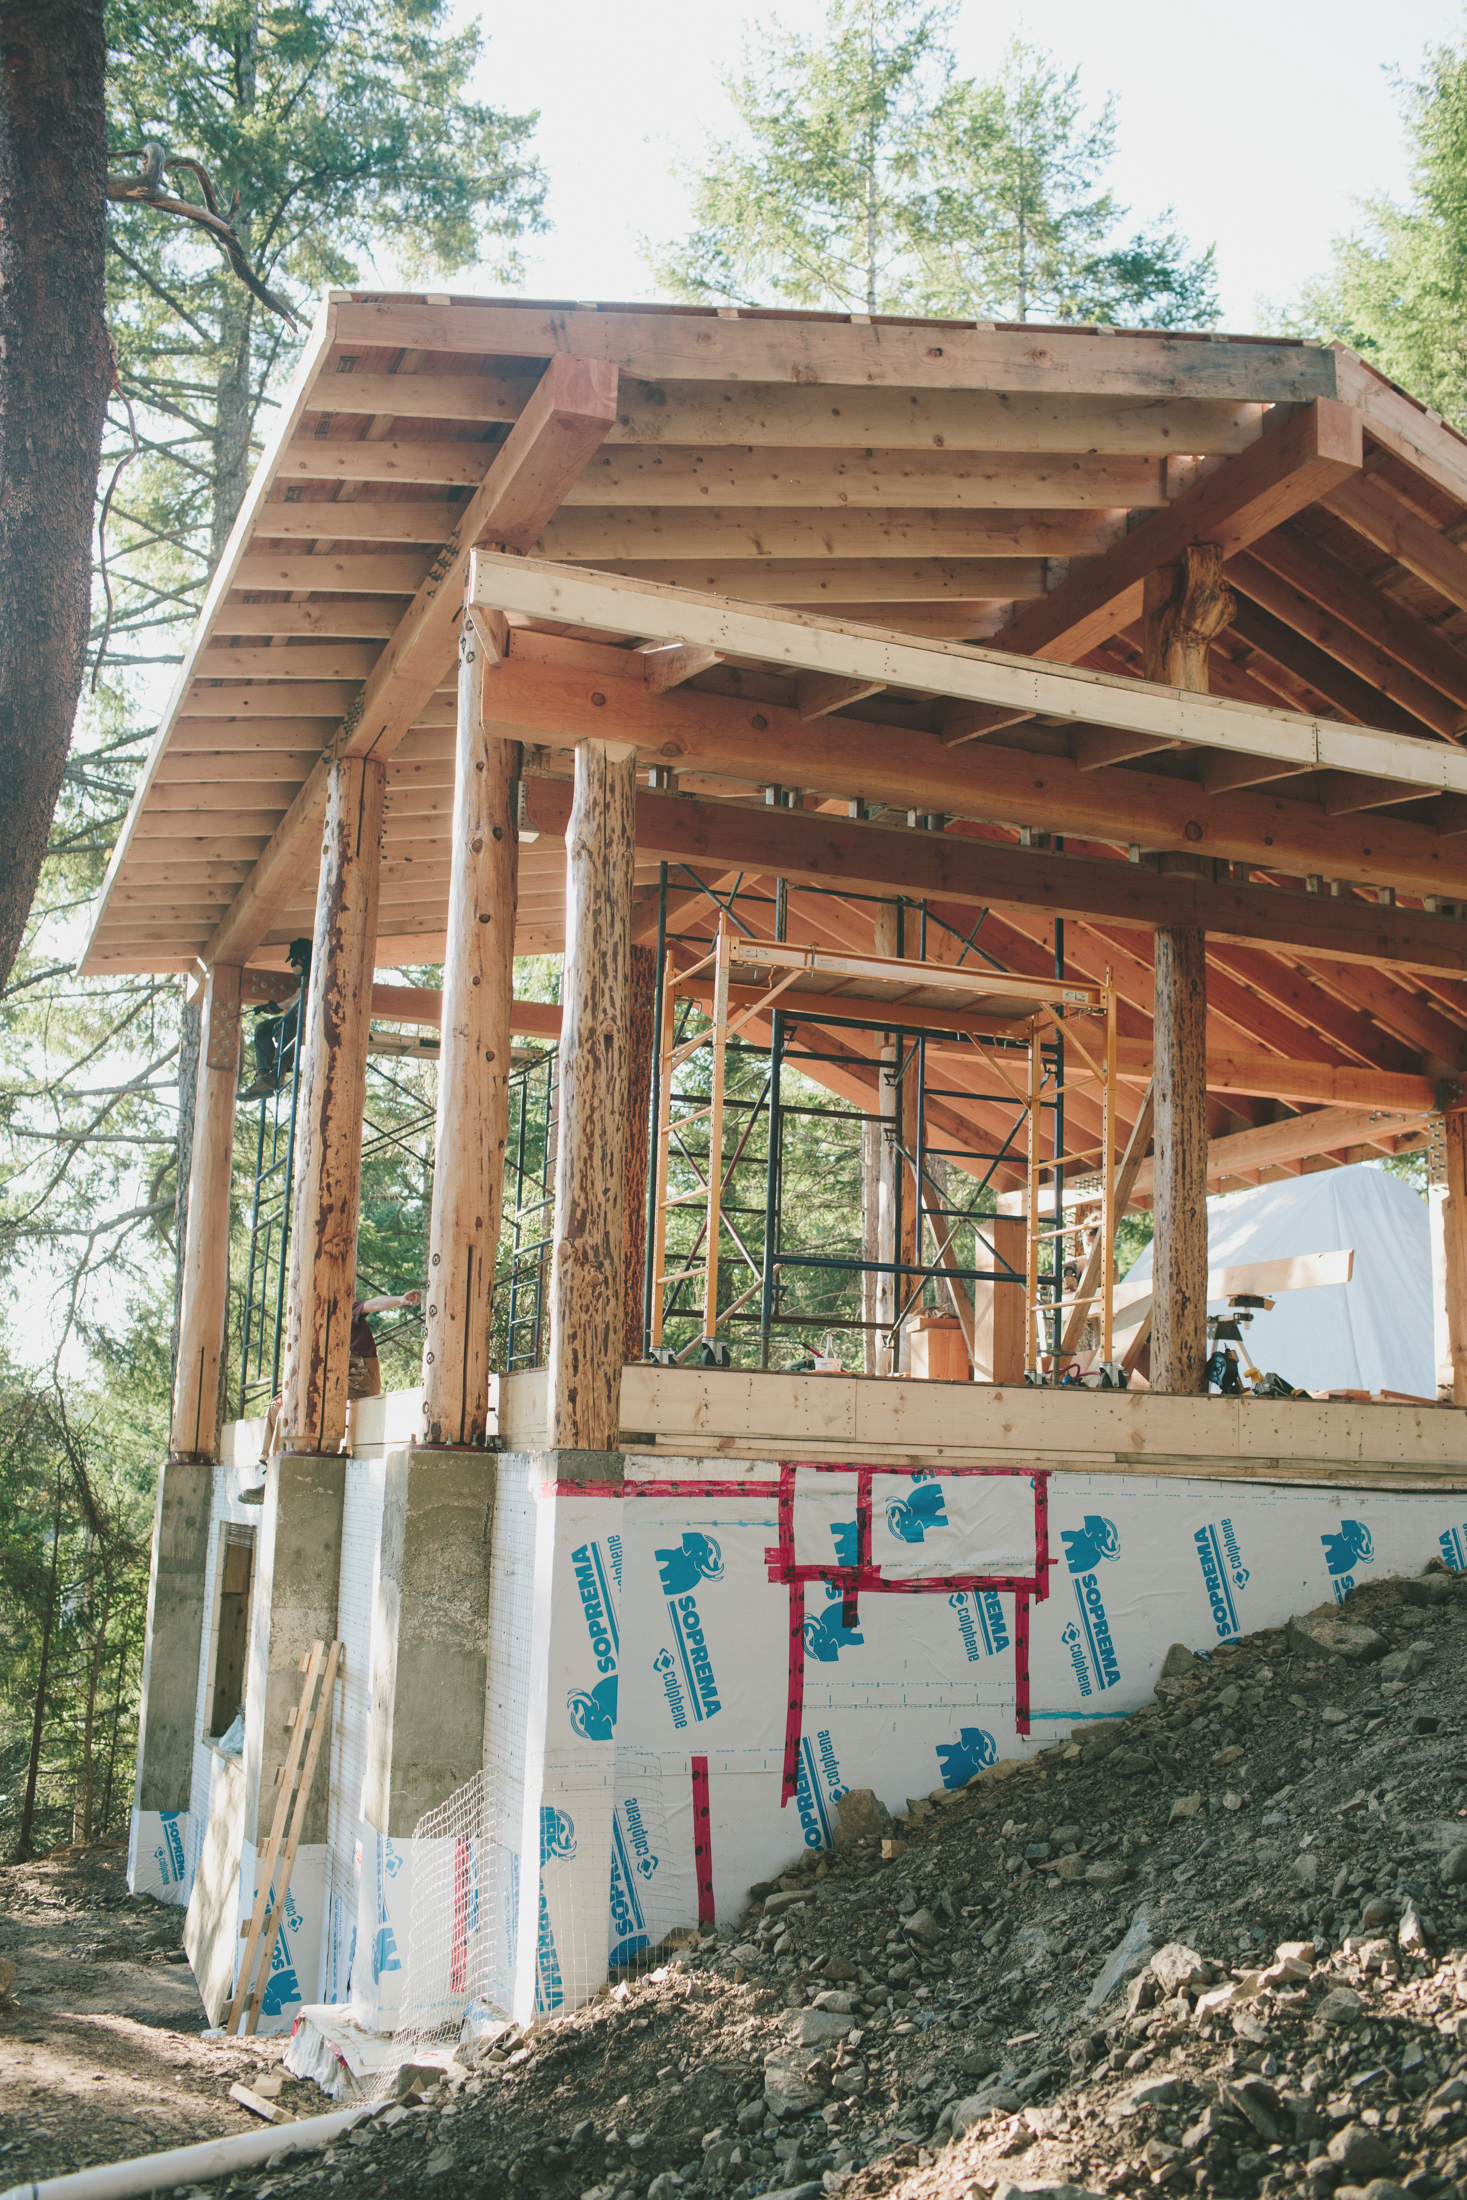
x=832, y=580
x=691, y=475
x=1274, y=1077
x=1325, y=1130
x=795, y=642
x=327, y=660
x=742, y=416
x=422, y=395
x=360, y=520
x=1292, y=465
x=386, y=458
x=718, y=538
x=821, y=849
x=360, y=616
x=815, y=349
x=415, y=1004
x=351, y=572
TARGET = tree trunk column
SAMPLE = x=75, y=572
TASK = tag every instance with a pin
x=587, y=1269
x=1179, y=1198
x=205, y=1266
x=1454, y=1235
x=473, y=1070
x=323, y=1251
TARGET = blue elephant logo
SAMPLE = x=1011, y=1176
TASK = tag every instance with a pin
x=1352, y=1545
x=911, y=1517
x=846, y=1535
x=827, y=1634
x=1086, y=1547
x=557, y=1834
x=593, y=1710
x=697, y=1559
x=974, y=1751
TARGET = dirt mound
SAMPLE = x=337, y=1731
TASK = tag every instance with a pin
x=1218, y=1946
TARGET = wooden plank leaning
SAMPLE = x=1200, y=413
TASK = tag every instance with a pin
x=1101, y=1251
x=295, y=1782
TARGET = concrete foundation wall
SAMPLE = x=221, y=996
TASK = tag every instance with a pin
x=629, y=1654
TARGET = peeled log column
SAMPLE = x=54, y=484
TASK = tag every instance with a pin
x=641, y=1040
x=328, y=1181
x=583, y=1408
x=1454, y=1228
x=473, y=1070
x=205, y=1265
x=1186, y=607
x=1179, y=1197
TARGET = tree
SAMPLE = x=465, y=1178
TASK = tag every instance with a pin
x=822, y=204
x=54, y=380
x=1398, y=290
x=1019, y=227
x=870, y=176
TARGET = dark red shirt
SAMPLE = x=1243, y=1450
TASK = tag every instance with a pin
x=363, y=1343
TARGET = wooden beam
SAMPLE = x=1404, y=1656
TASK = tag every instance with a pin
x=1101, y=1253
x=921, y=426
x=1093, y=747
x=792, y=642
x=396, y=458
x=573, y=406
x=818, y=694
x=1454, y=1230
x=1338, y=638
x=1219, y=773
x=834, y=580
x=1290, y=466
x=829, y=354
x=1311, y=671
x=474, y=1065
x=670, y=666
x=587, y=1276
x=333, y=1084
x=1377, y=618
x=363, y=617
x=674, y=476
x=741, y=535
x=1368, y=505
x=411, y=1004
x=349, y=572
x=825, y=850
x=204, y=1294
x=224, y=660
x=422, y=396
x=1300, y=1138
x=362, y=520
x=1275, y=1077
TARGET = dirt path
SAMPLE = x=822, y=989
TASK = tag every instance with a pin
x=100, y=2053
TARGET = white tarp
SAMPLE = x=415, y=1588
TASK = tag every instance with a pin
x=1373, y=1333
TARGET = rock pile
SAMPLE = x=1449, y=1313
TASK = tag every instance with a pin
x=1218, y=1946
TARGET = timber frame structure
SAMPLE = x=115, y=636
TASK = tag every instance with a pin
x=1131, y=665
x=1149, y=640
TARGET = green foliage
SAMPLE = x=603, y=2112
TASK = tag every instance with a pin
x=1397, y=292
x=869, y=176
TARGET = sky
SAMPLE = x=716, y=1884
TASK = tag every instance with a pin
x=1260, y=125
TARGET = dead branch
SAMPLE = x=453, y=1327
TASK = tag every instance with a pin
x=146, y=188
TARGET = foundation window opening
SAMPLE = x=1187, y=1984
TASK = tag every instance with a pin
x=232, y=1635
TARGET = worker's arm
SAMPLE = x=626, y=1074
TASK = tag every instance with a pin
x=381, y=1306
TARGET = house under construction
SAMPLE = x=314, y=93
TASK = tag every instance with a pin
x=1045, y=743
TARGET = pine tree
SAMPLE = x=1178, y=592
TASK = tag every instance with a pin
x=1398, y=290
x=870, y=176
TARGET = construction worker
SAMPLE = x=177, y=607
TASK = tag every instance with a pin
x=363, y=1368
x=277, y=1032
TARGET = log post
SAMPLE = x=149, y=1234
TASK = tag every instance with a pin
x=473, y=1069
x=1185, y=608
x=333, y=1085
x=205, y=1268
x=1454, y=1231
x=881, y=1193
x=641, y=1044
x=1179, y=1195
x=583, y=1405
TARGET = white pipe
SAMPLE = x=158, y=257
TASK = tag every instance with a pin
x=193, y=2165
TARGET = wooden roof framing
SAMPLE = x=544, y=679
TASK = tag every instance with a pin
x=872, y=499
